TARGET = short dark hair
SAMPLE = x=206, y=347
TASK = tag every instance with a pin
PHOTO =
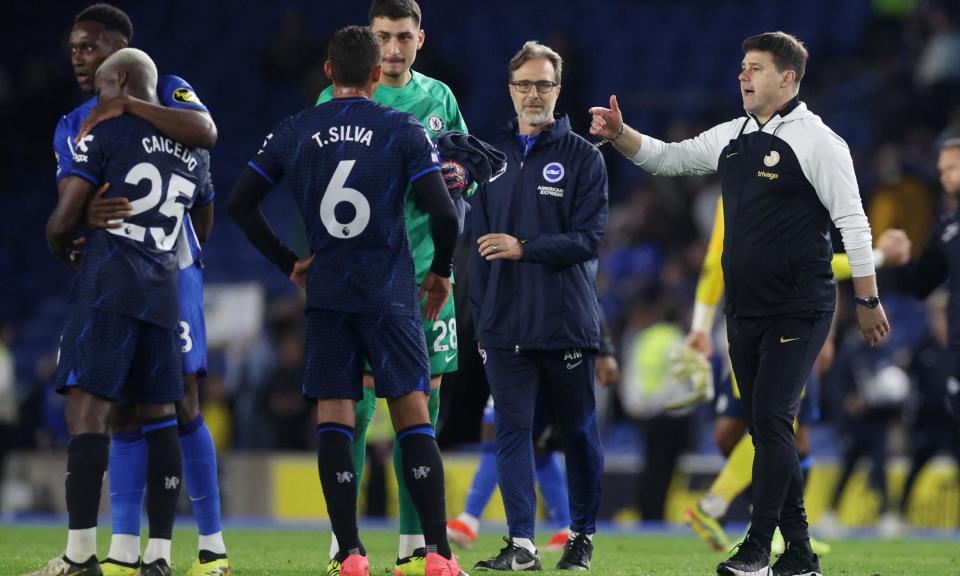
x=111, y=17
x=788, y=51
x=353, y=53
x=395, y=10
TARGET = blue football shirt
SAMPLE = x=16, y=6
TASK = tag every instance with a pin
x=348, y=163
x=173, y=92
x=133, y=270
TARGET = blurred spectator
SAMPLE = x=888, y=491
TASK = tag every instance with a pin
x=288, y=414
x=871, y=388
x=648, y=386
x=939, y=61
x=900, y=200
x=937, y=68
x=931, y=426
x=295, y=56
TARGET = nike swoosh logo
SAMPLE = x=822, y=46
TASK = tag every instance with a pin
x=574, y=365
x=516, y=566
x=785, y=340
x=450, y=357
x=732, y=154
x=501, y=173
x=192, y=499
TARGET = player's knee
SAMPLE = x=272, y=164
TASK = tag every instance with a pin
x=342, y=411
x=153, y=411
x=724, y=442
x=727, y=433
x=123, y=418
x=188, y=407
x=409, y=410
x=86, y=413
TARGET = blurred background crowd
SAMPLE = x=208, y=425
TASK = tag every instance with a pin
x=884, y=74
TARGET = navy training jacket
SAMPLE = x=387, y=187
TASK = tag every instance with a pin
x=553, y=198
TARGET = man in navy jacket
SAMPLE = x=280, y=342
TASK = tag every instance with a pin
x=538, y=228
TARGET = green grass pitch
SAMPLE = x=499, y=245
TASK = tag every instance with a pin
x=285, y=552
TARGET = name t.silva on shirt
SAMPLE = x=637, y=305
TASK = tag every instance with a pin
x=344, y=134
x=160, y=144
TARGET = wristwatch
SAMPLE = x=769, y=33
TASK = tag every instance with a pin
x=870, y=302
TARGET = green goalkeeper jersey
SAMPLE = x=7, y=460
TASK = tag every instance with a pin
x=433, y=104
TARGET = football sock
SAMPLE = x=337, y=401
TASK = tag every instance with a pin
x=409, y=520
x=200, y=473
x=87, y=456
x=128, y=484
x=164, y=481
x=423, y=472
x=338, y=480
x=525, y=543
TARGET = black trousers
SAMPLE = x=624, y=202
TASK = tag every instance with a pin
x=772, y=358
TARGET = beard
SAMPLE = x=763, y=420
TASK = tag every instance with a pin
x=532, y=119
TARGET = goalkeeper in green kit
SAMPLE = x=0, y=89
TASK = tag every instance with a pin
x=396, y=24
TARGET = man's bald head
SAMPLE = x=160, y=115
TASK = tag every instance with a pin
x=127, y=71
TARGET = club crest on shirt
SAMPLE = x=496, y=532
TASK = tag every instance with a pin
x=553, y=172
x=435, y=123
x=771, y=159
x=185, y=95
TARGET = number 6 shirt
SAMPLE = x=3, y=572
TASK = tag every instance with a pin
x=133, y=270
x=348, y=163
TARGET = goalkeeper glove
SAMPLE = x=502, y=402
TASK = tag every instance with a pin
x=689, y=364
x=455, y=177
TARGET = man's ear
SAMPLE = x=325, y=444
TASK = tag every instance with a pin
x=788, y=76
x=328, y=70
x=122, y=79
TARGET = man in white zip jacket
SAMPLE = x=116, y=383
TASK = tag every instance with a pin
x=785, y=176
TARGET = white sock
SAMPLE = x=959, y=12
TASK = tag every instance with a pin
x=334, y=547
x=525, y=543
x=81, y=544
x=157, y=548
x=212, y=543
x=125, y=548
x=573, y=535
x=713, y=505
x=409, y=543
x=472, y=522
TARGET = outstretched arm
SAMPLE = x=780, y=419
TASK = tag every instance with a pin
x=193, y=128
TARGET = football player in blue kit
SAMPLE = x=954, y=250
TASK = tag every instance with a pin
x=99, y=31
x=348, y=163
x=119, y=342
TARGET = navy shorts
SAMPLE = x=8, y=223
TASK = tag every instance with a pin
x=119, y=358
x=338, y=342
x=193, y=328
x=729, y=406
